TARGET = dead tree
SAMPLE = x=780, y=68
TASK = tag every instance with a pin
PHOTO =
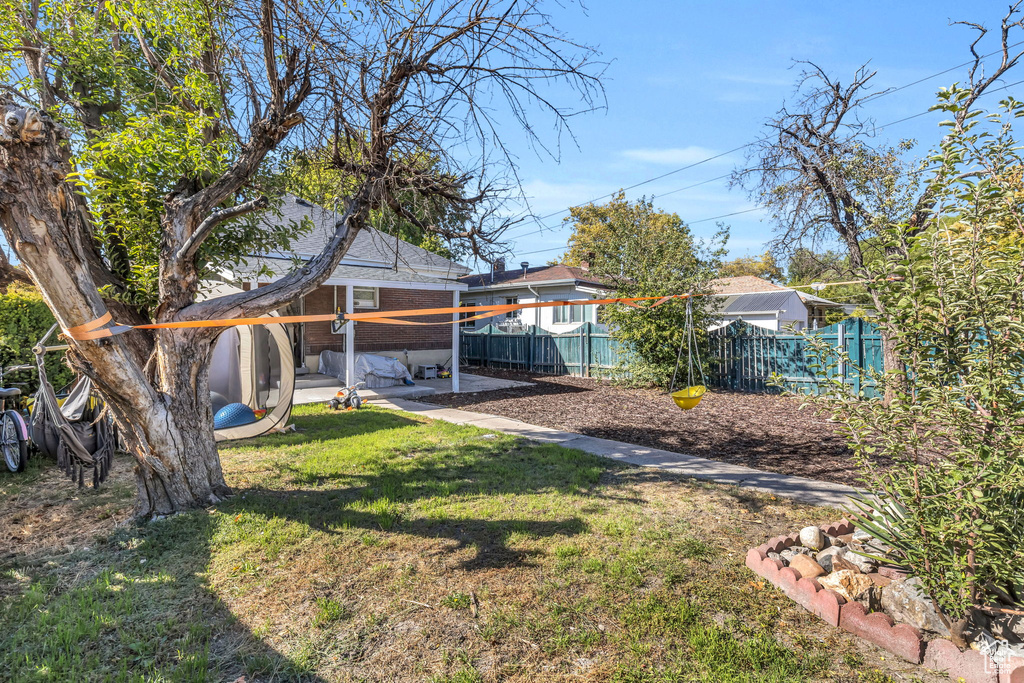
x=393, y=78
x=822, y=181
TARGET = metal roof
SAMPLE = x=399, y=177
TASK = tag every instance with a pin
x=750, y=303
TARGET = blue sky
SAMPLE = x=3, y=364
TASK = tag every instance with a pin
x=689, y=80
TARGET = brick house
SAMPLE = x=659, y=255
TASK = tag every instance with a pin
x=379, y=273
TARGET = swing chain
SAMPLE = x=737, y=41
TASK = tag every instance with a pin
x=689, y=340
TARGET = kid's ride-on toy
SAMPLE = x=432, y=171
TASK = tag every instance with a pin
x=347, y=398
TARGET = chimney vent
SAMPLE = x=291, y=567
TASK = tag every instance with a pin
x=497, y=267
x=524, y=265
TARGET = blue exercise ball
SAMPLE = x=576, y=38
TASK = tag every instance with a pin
x=233, y=415
x=218, y=401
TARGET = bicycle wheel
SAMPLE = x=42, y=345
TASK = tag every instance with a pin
x=13, y=445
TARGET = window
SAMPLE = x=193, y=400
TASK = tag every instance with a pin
x=510, y=301
x=364, y=297
x=569, y=314
x=470, y=324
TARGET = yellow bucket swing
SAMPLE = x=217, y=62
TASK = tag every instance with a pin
x=689, y=397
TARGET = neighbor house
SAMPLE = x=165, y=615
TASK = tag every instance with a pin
x=766, y=304
x=378, y=273
x=531, y=285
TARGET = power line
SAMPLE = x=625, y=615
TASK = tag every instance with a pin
x=736, y=213
x=875, y=96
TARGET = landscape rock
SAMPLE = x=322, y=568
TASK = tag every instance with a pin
x=847, y=539
x=827, y=557
x=861, y=537
x=892, y=573
x=852, y=585
x=879, y=580
x=999, y=650
x=808, y=568
x=789, y=553
x=834, y=542
x=864, y=564
x=839, y=563
x=812, y=537
x=776, y=556
x=906, y=602
x=1008, y=627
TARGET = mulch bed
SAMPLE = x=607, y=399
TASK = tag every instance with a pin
x=762, y=431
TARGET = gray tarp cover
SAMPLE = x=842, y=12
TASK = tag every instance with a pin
x=376, y=371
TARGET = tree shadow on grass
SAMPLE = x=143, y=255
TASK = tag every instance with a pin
x=137, y=604
x=131, y=606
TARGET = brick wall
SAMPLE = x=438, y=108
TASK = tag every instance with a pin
x=380, y=337
x=377, y=336
x=318, y=336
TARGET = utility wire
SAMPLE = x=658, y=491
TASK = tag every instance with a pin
x=702, y=220
x=736, y=213
x=869, y=98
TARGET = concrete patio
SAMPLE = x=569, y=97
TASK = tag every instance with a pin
x=316, y=388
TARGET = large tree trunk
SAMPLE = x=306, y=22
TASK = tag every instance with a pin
x=156, y=385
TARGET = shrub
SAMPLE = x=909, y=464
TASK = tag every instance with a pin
x=24, y=319
x=951, y=499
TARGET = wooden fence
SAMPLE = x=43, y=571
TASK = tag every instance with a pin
x=744, y=357
x=741, y=356
x=586, y=351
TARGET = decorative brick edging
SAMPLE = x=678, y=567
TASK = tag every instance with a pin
x=876, y=627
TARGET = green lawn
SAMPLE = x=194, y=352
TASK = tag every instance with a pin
x=374, y=545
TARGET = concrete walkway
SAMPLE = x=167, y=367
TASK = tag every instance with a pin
x=319, y=390
x=807, y=491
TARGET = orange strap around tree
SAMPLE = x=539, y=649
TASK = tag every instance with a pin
x=92, y=329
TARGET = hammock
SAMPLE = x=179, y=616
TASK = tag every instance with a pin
x=77, y=433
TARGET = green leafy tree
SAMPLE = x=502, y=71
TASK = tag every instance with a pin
x=141, y=144
x=430, y=222
x=950, y=496
x=763, y=266
x=642, y=251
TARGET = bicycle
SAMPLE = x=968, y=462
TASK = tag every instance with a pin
x=14, y=438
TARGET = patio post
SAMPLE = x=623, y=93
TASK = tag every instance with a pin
x=350, y=339
x=455, y=343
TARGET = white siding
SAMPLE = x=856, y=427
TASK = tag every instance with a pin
x=541, y=317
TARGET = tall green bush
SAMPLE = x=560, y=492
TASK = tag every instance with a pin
x=642, y=251
x=945, y=458
x=24, y=319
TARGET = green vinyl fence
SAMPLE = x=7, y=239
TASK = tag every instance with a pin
x=586, y=351
x=744, y=357
x=741, y=356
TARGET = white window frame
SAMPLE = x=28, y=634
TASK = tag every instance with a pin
x=573, y=313
x=467, y=323
x=512, y=315
x=358, y=302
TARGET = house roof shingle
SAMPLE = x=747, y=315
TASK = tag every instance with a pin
x=744, y=284
x=370, y=244
x=535, y=275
